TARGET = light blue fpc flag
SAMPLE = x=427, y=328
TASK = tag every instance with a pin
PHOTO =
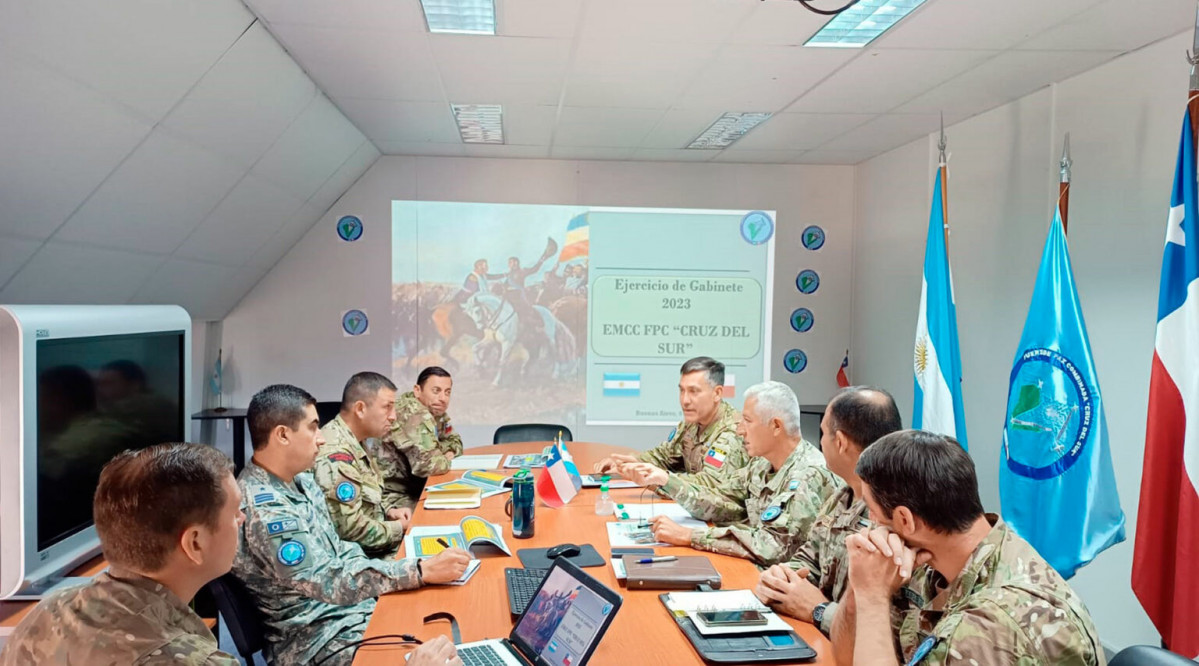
x=937, y=365
x=622, y=384
x=1056, y=483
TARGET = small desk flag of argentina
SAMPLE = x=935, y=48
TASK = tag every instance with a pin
x=1056, y=483
x=559, y=482
x=937, y=403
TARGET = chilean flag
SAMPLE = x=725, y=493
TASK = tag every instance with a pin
x=559, y=482
x=1165, y=576
x=842, y=372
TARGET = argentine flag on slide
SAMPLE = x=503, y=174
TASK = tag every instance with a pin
x=622, y=384
x=937, y=405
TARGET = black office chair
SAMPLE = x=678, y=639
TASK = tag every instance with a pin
x=235, y=604
x=326, y=411
x=1147, y=655
x=530, y=432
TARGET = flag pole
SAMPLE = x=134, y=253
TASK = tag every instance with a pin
x=1193, y=61
x=943, y=162
x=1063, y=188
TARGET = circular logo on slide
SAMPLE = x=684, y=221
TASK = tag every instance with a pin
x=1050, y=414
x=801, y=320
x=354, y=322
x=813, y=237
x=807, y=282
x=349, y=228
x=757, y=227
x=795, y=361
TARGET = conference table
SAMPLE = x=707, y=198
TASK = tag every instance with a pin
x=643, y=631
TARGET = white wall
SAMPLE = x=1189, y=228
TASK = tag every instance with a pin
x=288, y=328
x=1124, y=119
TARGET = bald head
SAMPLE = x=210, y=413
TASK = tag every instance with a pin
x=863, y=414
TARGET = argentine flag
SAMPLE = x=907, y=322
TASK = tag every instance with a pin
x=937, y=404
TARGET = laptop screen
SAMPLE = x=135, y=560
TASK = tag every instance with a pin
x=563, y=623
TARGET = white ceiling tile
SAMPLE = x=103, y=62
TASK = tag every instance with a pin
x=397, y=17
x=69, y=273
x=1117, y=25
x=692, y=21
x=145, y=53
x=799, y=131
x=679, y=127
x=245, y=101
x=879, y=80
x=886, y=132
x=311, y=149
x=778, y=23
x=758, y=156
x=364, y=63
x=589, y=153
x=520, y=70
x=344, y=177
x=633, y=74
x=387, y=121
x=14, y=252
x=978, y=24
x=421, y=148
x=538, y=18
x=274, y=249
x=246, y=219
x=676, y=155
x=613, y=128
x=155, y=198
x=526, y=125
x=762, y=78
x=506, y=151
x=835, y=156
x=206, y=291
x=61, y=140
x=1008, y=76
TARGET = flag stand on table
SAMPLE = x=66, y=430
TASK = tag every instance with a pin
x=559, y=482
x=937, y=364
x=1164, y=574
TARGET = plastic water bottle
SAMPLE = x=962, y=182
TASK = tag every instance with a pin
x=604, y=505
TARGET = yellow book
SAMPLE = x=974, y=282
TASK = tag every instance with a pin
x=453, y=496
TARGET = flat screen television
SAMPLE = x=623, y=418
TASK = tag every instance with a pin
x=78, y=384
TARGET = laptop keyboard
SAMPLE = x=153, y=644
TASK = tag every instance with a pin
x=480, y=655
x=522, y=585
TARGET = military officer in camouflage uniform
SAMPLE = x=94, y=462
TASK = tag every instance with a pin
x=704, y=446
x=975, y=593
x=809, y=586
x=349, y=476
x=763, y=510
x=422, y=442
x=137, y=612
x=314, y=591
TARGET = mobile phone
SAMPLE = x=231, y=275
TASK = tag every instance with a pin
x=732, y=618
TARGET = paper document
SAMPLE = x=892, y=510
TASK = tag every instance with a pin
x=669, y=509
x=463, y=463
x=692, y=603
x=488, y=483
x=517, y=461
x=453, y=495
x=471, y=568
x=595, y=481
x=624, y=534
x=471, y=532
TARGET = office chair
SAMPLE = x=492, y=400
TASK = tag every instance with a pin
x=326, y=411
x=530, y=432
x=234, y=603
x=1147, y=655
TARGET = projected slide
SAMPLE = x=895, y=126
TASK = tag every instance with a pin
x=577, y=315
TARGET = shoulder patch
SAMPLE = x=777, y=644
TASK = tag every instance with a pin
x=291, y=553
x=922, y=650
x=715, y=457
x=770, y=513
x=670, y=437
x=341, y=456
x=346, y=492
x=282, y=526
x=264, y=497
x=793, y=485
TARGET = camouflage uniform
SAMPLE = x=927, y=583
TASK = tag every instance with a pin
x=354, y=491
x=1008, y=606
x=823, y=553
x=766, y=514
x=704, y=457
x=413, y=451
x=117, y=619
x=315, y=592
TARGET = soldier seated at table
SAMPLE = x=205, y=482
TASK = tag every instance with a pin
x=940, y=581
x=315, y=592
x=704, y=446
x=763, y=511
x=809, y=586
x=422, y=441
x=348, y=474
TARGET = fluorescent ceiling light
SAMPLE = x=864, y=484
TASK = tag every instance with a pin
x=863, y=23
x=727, y=129
x=464, y=17
x=480, y=123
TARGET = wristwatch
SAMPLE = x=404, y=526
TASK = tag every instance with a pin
x=818, y=613
x=420, y=574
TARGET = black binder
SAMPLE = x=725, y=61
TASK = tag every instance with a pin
x=749, y=648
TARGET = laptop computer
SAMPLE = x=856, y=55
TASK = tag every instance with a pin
x=562, y=625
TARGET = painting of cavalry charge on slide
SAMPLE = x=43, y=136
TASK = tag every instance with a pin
x=497, y=295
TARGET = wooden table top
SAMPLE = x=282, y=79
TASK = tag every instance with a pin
x=642, y=633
